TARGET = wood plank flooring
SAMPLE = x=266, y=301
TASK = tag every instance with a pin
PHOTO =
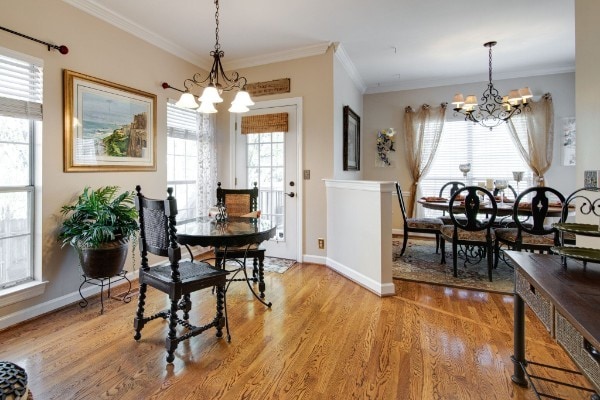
x=324, y=338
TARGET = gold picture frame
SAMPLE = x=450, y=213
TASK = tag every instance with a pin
x=107, y=126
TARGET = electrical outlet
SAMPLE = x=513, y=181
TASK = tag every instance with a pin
x=321, y=243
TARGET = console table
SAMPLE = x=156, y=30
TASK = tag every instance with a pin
x=567, y=302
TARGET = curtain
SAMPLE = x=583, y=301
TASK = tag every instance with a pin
x=537, y=152
x=422, y=132
x=207, y=164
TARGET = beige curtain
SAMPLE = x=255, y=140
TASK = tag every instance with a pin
x=422, y=132
x=537, y=152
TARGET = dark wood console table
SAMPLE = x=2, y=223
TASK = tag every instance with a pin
x=567, y=302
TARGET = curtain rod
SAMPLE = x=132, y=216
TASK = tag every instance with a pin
x=61, y=49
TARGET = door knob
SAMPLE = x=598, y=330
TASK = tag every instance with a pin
x=291, y=194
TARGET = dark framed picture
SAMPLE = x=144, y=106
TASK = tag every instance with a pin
x=108, y=127
x=351, y=140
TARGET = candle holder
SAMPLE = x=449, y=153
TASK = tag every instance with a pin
x=518, y=176
x=465, y=168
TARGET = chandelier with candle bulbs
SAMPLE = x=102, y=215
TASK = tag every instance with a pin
x=214, y=84
x=494, y=109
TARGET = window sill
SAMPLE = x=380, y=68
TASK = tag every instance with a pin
x=22, y=292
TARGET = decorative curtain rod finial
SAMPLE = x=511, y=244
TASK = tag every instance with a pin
x=62, y=49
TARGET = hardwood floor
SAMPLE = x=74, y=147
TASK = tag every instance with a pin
x=324, y=338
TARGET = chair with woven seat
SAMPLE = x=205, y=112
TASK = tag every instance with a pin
x=450, y=187
x=468, y=230
x=420, y=225
x=242, y=203
x=177, y=278
x=534, y=235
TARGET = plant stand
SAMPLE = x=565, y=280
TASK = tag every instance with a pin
x=104, y=282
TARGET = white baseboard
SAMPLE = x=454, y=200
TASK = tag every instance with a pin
x=54, y=304
x=382, y=290
x=314, y=259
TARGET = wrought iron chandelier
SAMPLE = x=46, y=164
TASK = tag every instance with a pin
x=495, y=109
x=214, y=84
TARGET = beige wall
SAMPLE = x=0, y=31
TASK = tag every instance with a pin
x=587, y=86
x=311, y=78
x=100, y=50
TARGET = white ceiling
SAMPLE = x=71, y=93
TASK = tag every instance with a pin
x=390, y=44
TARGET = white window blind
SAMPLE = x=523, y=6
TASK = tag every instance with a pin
x=20, y=112
x=182, y=159
x=20, y=88
x=492, y=155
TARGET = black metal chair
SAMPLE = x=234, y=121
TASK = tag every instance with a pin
x=587, y=203
x=242, y=203
x=420, y=225
x=176, y=278
x=470, y=231
x=533, y=235
x=453, y=186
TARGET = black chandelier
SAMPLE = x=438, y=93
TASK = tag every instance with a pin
x=214, y=84
x=494, y=109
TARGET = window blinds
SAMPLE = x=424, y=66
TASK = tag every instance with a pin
x=182, y=123
x=21, y=84
x=492, y=156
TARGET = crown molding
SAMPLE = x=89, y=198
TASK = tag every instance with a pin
x=429, y=83
x=279, y=56
x=93, y=8
x=350, y=68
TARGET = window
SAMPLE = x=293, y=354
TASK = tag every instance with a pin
x=191, y=161
x=20, y=116
x=265, y=155
x=492, y=155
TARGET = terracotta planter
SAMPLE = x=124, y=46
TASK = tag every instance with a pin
x=104, y=261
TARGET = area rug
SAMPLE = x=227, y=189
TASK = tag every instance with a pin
x=420, y=263
x=279, y=265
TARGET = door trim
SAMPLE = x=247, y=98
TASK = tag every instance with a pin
x=292, y=101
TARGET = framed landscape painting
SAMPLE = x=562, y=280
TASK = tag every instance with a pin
x=108, y=127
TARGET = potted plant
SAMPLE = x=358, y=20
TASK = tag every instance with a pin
x=99, y=225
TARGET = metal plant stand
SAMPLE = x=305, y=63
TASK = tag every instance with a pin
x=104, y=282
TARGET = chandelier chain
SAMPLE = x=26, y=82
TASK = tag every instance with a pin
x=490, y=73
x=217, y=44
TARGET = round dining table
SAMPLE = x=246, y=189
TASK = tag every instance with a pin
x=232, y=232
x=503, y=209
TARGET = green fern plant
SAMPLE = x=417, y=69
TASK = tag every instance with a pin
x=99, y=216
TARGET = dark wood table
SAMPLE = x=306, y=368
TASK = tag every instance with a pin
x=567, y=302
x=504, y=210
x=234, y=232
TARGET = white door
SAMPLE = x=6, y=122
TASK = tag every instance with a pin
x=271, y=160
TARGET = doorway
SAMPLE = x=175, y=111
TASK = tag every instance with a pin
x=273, y=161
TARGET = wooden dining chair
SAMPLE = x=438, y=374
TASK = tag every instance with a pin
x=531, y=231
x=242, y=203
x=421, y=225
x=177, y=278
x=470, y=231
